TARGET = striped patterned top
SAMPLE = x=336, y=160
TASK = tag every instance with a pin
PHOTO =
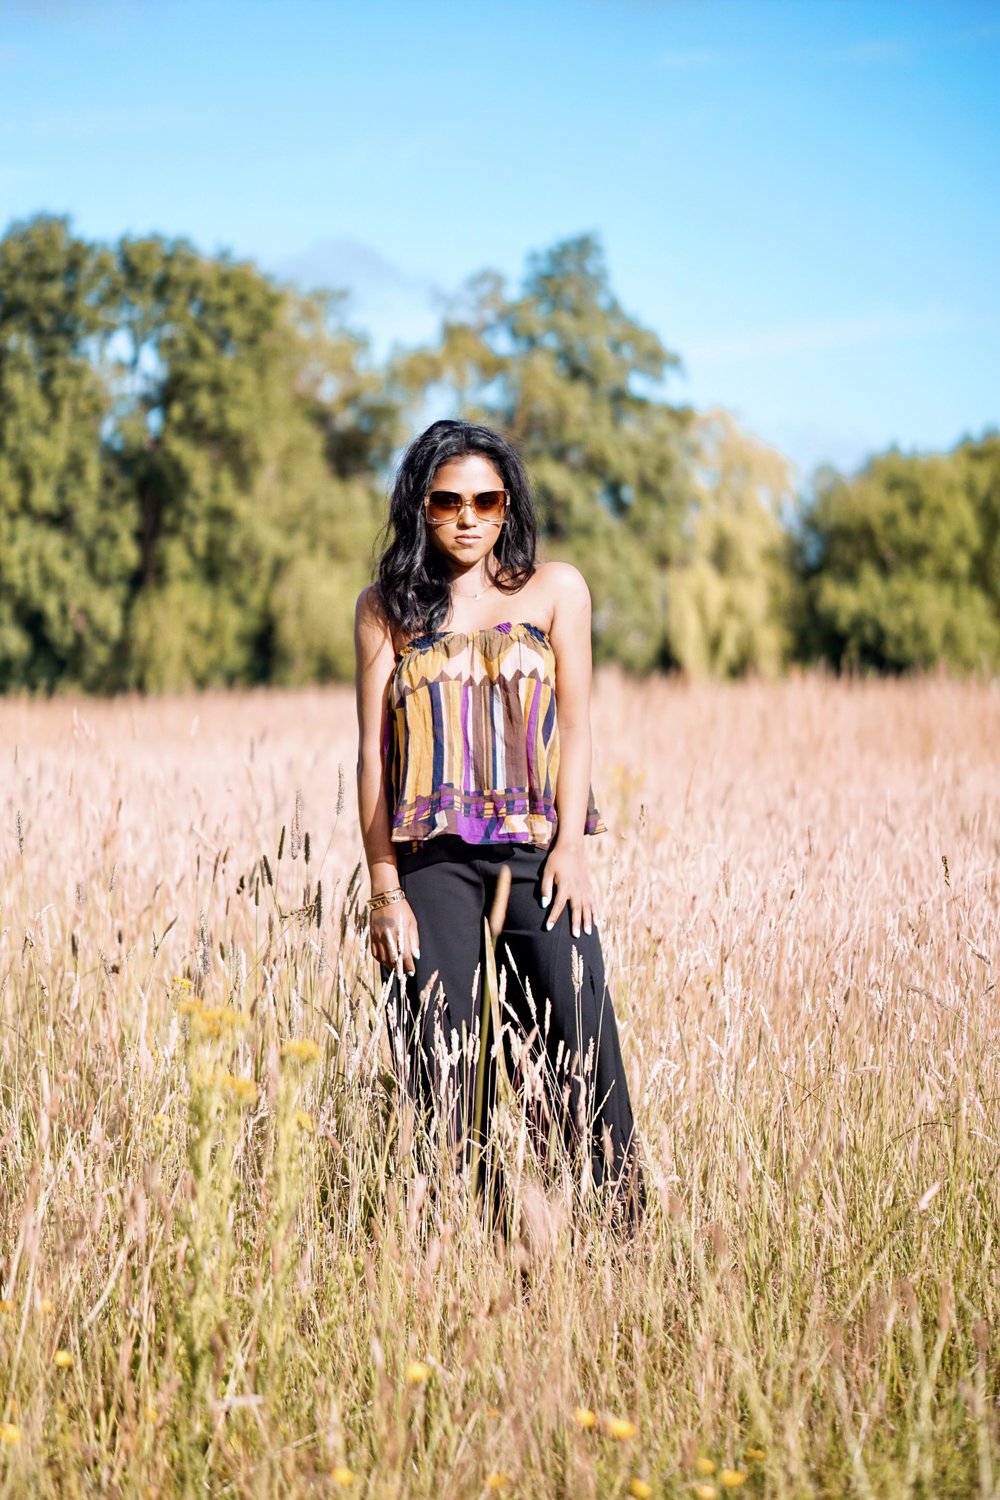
x=471, y=743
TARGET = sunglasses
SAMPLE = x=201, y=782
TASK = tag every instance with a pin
x=442, y=506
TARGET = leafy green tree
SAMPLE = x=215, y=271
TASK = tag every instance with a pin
x=248, y=431
x=729, y=597
x=193, y=461
x=898, y=563
x=980, y=462
x=67, y=534
x=573, y=381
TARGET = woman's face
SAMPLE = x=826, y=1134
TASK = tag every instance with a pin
x=468, y=539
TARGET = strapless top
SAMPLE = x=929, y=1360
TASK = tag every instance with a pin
x=472, y=739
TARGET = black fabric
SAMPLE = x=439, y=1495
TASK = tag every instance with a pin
x=450, y=886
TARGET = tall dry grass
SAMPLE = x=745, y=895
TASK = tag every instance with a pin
x=222, y=1270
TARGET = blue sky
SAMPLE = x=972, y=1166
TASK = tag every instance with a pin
x=800, y=196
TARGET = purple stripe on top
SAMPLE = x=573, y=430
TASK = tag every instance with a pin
x=466, y=746
x=467, y=710
x=535, y=780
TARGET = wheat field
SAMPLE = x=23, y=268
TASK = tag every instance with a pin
x=223, y=1270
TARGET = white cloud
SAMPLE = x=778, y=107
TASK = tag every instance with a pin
x=79, y=13
x=12, y=56
x=871, y=50
x=862, y=52
x=807, y=445
x=696, y=57
x=815, y=335
x=109, y=121
x=12, y=177
x=387, y=302
x=344, y=261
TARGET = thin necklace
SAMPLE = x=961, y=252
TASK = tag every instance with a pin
x=477, y=595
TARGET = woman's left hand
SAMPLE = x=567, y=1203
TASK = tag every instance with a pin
x=566, y=870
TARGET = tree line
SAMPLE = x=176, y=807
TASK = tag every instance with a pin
x=194, y=462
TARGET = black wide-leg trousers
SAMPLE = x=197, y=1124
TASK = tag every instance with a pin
x=554, y=998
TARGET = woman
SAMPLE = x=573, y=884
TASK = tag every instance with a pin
x=473, y=686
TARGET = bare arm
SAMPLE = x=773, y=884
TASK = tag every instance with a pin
x=394, y=928
x=566, y=866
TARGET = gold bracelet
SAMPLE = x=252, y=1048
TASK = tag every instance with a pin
x=386, y=898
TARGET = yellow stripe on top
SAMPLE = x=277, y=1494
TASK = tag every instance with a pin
x=472, y=738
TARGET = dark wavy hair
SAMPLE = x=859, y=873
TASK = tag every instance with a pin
x=412, y=580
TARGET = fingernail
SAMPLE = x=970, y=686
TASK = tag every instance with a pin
x=576, y=932
x=546, y=900
x=416, y=953
x=409, y=973
x=587, y=929
x=548, y=927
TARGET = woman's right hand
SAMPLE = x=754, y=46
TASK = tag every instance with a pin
x=394, y=935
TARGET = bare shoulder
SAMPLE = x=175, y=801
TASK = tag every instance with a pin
x=566, y=589
x=372, y=630
x=369, y=611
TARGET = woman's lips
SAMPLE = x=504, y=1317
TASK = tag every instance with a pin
x=467, y=537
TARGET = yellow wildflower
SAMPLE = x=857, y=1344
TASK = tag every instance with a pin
x=189, y=1006
x=584, y=1417
x=181, y=982
x=704, y=1466
x=215, y=1020
x=705, y=1492
x=640, y=1488
x=303, y=1050
x=6, y=1308
x=244, y=1090
x=342, y=1476
x=497, y=1480
x=620, y=1428
x=9, y=1434
x=151, y=1414
x=757, y=1453
x=417, y=1372
x=732, y=1478
x=305, y=1121
x=63, y=1359
x=46, y=1304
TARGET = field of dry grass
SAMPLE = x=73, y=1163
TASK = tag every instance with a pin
x=221, y=1269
